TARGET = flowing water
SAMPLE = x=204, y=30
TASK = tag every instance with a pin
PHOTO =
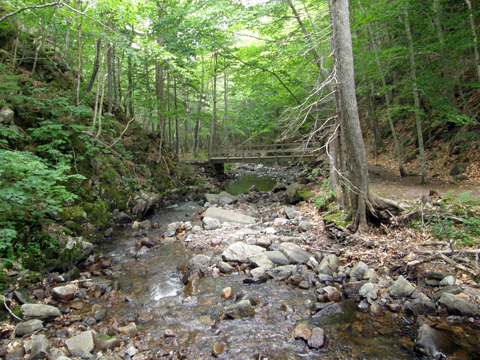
x=158, y=300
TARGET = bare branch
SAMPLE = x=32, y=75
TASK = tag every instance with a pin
x=28, y=8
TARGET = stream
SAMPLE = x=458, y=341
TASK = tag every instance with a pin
x=158, y=300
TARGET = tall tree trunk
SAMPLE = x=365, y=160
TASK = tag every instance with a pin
x=129, y=95
x=199, y=111
x=225, y=99
x=149, y=95
x=119, y=79
x=97, y=92
x=437, y=12
x=100, y=110
x=96, y=64
x=185, y=120
x=356, y=151
x=416, y=96
x=177, y=141
x=114, y=78
x=213, y=140
x=474, y=36
x=14, y=61
x=79, y=58
x=170, y=133
x=387, y=96
x=110, y=79
x=159, y=89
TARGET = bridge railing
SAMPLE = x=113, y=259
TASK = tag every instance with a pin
x=241, y=152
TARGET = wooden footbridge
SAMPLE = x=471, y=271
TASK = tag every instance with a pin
x=258, y=154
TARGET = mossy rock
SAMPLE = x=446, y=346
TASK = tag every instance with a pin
x=75, y=227
x=115, y=198
x=99, y=214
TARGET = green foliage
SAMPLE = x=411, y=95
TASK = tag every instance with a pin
x=30, y=190
x=326, y=197
x=8, y=86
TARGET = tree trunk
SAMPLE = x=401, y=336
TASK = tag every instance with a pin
x=114, y=78
x=177, y=141
x=100, y=110
x=213, y=140
x=110, y=79
x=96, y=64
x=149, y=96
x=416, y=96
x=185, y=120
x=119, y=79
x=159, y=89
x=170, y=134
x=225, y=99
x=79, y=58
x=14, y=61
x=474, y=35
x=199, y=111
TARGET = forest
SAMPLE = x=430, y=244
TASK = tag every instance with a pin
x=83, y=78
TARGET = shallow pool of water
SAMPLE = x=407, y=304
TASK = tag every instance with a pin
x=243, y=183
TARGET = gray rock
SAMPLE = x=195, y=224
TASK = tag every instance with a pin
x=225, y=268
x=317, y=339
x=100, y=314
x=27, y=328
x=229, y=216
x=461, y=177
x=277, y=258
x=304, y=226
x=369, y=273
x=240, y=252
x=16, y=354
x=325, y=278
x=239, y=310
x=358, y=271
x=64, y=293
x=210, y=223
x=454, y=289
x=294, y=253
x=260, y=272
x=424, y=307
x=329, y=265
x=431, y=342
x=40, y=348
x=292, y=196
x=369, y=291
x=282, y=272
x=123, y=218
x=279, y=186
x=57, y=354
x=447, y=281
x=458, y=169
x=6, y=115
x=335, y=308
x=39, y=311
x=216, y=198
x=264, y=242
x=172, y=229
x=74, y=244
x=457, y=306
x=291, y=213
x=261, y=260
x=198, y=261
x=401, y=288
x=145, y=203
x=81, y=345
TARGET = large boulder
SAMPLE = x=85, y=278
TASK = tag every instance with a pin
x=229, y=216
x=358, y=271
x=28, y=327
x=81, y=345
x=458, y=169
x=145, y=203
x=211, y=223
x=76, y=249
x=223, y=198
x=401, y=288
x=240, y=252
x=292, y=196
x=39, y=311
x=328, y=265
x=294, y=253
x=277, y=258
x=430, y=342
x=6, y=115
x=282, y=272
x=457, y=306
x=241, y=309
x=64, y=293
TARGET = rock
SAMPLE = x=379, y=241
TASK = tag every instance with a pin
x=40, y=348
x=130, y=329
x=168, y=333
x=104, y=345
x=447, y=281
x=430, y=342
x=57, y=354
x=124, y=219
x=64, y=293
x=292, y=196
x=280, y=222
x=227, y=293
x=376, y=309
x=457, y=306
x=369, y=291
x=229, y=216
x=304, y=285
x=458, y=169
x=282, y=272
x=324, y=278
x=358, y=271
x=225, y=268
x=291, y=213
x=295, y=279
x=424, y=307
x=301, y=331
x=317, y=339
x=27, y=328
x=224, y=197
x=304, y=226
x=264, y=242
x=277, y=258
x=279, y=186
x=100, y=314
x=363, y=306
x=461, y=177
x=81, y=345
x=145, y=203
x=218, y=349
x=261, y=260
x=172, y=229
x=17, y=354
x=334, y=308
x=211, y=224
x=240, y=252
x=239, y=310
x=198, y=261
x=39, y=311
x=294, y=253
x=259, y=274
x=328, y=265
x=132, y=351
x=332, y=293
x=6, y=115
x=401, y=288
x=454, y=289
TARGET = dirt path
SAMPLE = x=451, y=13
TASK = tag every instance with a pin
x=387, y=183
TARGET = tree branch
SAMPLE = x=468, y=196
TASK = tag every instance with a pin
x=28, y=8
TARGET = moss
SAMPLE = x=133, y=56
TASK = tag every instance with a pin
x=75, y=227
x=78, y=214
x=336, y=217
x=65, y=216
x=115, y=198
x=99, y=214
